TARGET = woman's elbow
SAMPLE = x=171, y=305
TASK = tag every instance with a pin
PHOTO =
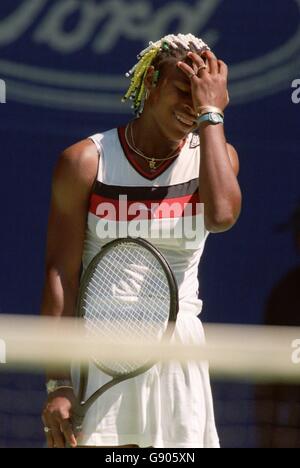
x=221, y=222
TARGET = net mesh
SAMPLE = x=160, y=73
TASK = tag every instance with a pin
x=247, y=415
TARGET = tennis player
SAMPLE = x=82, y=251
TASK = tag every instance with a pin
x=173, y=151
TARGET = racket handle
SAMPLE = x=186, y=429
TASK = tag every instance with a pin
x=77, y=423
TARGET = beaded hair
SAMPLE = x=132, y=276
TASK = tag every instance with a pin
x=155, y=55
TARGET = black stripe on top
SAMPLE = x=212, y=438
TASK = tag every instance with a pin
x=146, y=193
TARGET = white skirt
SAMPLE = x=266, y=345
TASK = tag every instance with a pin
x=169, y=406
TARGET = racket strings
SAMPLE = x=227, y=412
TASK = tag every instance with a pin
x=128, y=297
x=117, y=313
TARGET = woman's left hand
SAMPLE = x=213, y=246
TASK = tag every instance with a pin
x=208, y=80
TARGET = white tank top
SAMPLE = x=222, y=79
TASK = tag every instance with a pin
x=164, y=209
x=170, y=405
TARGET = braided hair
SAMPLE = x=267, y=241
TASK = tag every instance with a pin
x=157, y=55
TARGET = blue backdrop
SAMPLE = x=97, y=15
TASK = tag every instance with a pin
x=63, y=63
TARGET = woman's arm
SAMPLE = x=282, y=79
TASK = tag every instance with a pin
x=218, y=186
x=73, y=179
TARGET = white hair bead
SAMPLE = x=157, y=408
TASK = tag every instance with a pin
x=174, y=42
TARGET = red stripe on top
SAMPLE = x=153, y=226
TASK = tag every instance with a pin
x=124, y=210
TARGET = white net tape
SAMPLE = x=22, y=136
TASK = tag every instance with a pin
x=252, y=352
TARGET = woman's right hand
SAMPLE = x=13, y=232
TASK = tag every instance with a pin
x=56, y=417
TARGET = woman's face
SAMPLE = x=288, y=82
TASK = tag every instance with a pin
x=171, y=104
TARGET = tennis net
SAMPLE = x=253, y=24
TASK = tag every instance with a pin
x=255, y=377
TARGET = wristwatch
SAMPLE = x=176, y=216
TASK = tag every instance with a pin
x=211, y=117
x=53, y=385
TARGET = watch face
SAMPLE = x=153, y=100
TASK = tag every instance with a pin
x=215, y=117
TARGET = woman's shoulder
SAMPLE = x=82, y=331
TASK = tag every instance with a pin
x=107, y=136
x=77, y=166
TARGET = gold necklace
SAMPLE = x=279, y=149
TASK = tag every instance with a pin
x=151, y=161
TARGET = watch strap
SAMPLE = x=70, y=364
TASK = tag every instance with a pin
x=211, y=117
x=53, y=385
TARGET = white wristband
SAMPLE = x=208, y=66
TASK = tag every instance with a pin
x=53, y=385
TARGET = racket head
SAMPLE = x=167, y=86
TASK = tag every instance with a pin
x=128, y=292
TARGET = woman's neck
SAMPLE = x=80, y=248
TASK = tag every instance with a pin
x=149, y=138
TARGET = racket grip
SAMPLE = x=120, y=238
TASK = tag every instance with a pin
x=77, y=426
x=77, y=422
x=77, y=419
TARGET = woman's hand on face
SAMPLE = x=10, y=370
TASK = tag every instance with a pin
x=208, y=80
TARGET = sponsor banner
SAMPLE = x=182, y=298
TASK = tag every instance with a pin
x=73, y=54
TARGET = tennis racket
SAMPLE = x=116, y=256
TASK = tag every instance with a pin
x=127, y=292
